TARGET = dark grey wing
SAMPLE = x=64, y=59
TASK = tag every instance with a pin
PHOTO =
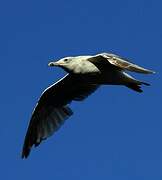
x=121, y=63
x=51, y=110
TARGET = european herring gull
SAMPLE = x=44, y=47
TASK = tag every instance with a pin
x=85, y=75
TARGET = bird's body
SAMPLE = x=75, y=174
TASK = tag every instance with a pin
x=85, y=75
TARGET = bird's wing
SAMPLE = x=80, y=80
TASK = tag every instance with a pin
x=52, y=110
x=120, y=63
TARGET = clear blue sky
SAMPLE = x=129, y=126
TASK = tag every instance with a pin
x=116, y=133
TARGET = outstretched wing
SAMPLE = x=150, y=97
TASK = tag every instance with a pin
x=51, y=110
x=121, y=63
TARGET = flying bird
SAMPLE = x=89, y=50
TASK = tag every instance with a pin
x=85, y=75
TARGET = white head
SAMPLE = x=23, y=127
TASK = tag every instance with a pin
x=76, y=64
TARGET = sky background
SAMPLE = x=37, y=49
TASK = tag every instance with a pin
x=116, y=133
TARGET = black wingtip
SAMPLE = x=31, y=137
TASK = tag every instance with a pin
x=25, y=153
x=147, y=84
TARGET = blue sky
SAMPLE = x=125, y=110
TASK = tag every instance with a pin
x=114, y=134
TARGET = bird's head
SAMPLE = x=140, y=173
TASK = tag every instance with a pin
x=71, y=64
x=65, y=63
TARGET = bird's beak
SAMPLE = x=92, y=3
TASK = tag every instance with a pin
x=53, y=64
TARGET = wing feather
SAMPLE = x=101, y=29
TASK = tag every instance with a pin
x=121, y=63
x=51, y=110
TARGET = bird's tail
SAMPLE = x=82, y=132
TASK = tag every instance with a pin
x=136, y=86
x=133, y=84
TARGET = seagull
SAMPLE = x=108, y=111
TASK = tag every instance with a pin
x=85, y=74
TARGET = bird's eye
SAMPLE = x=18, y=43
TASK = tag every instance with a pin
x=65, y=60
